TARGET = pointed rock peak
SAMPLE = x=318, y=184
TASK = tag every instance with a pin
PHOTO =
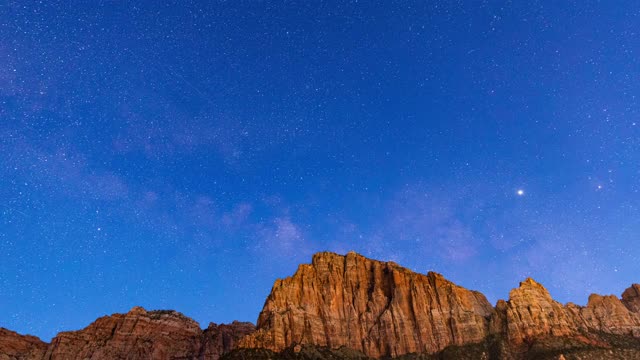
x=529, y=287
x=137, y=310
x=529, y=282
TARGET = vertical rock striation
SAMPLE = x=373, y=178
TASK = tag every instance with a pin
x=375, y=307
x=382, y=309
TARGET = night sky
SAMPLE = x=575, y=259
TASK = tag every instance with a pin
x=185, y=155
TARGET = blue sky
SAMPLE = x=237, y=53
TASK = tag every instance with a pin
x=185, y=155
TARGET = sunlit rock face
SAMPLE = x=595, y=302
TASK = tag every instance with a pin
x=351, y=307
x=141, y=334
x=375, y=307
x=382, y=309
x=531, y=313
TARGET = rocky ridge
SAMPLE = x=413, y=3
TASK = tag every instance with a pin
x=138, y=334
x=16, y=346
x=384, y=310
x=353, y=307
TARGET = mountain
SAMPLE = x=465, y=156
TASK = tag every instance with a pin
x=138, y=334
x=352, y=307
x=382, y=309
x=378, y=308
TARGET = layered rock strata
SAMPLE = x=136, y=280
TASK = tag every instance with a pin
x=382, y=309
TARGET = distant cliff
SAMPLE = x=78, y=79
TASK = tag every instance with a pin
x=354, y=307
x=375, y=307
x=382, y=309
x=138, y=334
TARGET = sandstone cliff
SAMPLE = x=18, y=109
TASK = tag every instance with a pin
x=531, y=313
x=382, y=309
x=375, y=307
x=355, y=308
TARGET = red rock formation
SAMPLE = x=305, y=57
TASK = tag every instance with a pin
x=14, y=346
x=139, y=334
x=378, y=308
x=631, y=298
x=531, y=312
x=375, y=307
x=383, y=309
x=609, y=314
x=220, y=339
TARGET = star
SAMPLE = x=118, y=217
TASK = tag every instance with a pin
x=520, y=192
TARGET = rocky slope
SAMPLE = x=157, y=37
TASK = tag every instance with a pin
x=351, y=307
x=138, y=334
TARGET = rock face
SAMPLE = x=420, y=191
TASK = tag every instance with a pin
x=531, y=313
x=382, y=309
x=138, y=334
x=631, y=298
x=14, y=346
x=351, y=307
x=378, y=308
x=221, y=339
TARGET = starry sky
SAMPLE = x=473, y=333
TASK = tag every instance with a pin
x=184, y=155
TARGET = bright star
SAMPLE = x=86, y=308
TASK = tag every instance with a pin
x=520, y=192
